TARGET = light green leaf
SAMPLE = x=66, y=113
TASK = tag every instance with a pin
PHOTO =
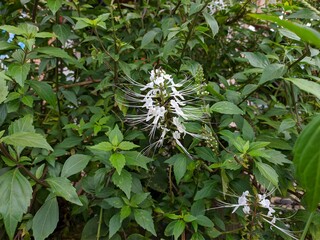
x=307, y=34
x=56, y=52
x=268, y=172
x=225, y=107
x=45, y=91
x=125, y=212
x=114, y=224
x=74, y=164
x=211, y=21
x=12, y=29
x=144, y=219
x=118, y=161
x=115, y=136
x=46, y=219
x=127, y=145
x=178, y=229
x=3, y=90
x=123, y=181
x=306, y=85
x=272, y=71
x=54, y=5
x=62, y=187
x=307, y=162
x=27, y=139
x=139, y=198
x=19, y=72
x=256, y=59
x=103, y=146
x=15, y=196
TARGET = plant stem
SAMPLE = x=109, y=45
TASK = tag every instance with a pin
x=100, y=223
x=306, y=228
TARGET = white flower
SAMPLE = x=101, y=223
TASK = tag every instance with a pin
x=243, y=202
x=215, y=6
x=265, y=203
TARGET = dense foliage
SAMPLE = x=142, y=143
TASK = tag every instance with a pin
x=159, y=119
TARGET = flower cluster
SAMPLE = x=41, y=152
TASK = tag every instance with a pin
x=216, y=5
x=167, y=106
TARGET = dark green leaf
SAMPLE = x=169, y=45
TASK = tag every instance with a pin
x=144, y=219
x=46, y=219
x=3, y=91
x=62, y=187
x=134, y=158
x=204, y=221
x=211, y=21
x=27, y=139
x=268, y=172
x=19, y=72
x=54, y=5
x=257, y=59
x=63, y=32
x=114, y=224
x=307, y=162
x=74, y=164
x=123, y=181
x=15, y=196
x=225, y=107
x=45, y=91
x=272, y=71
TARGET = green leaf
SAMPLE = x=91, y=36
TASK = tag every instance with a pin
x=45, y=91
x=123, y=181
x=144, y=219
x=306, y=85
x=62, y=187
x=54, y=5
x=19, y=72
x=211, y=21
x=268, y=172
x=56, y=52
x=256, y=59
x=139, y=198
x=74, y=164
x=103, y=146
x=115, y=202
x=27, y=100
x=148, y=38
x=118, y=161
x=286, y=124
x=125, y=145
x=178, y=229
x=15, y=196
x=3, y=90
x=134, y=158
x=22, y=125
x=204, y=221
x=46, y=219
x=272, y=71
x=62, y=31
x=71, y=97
x=307, y=34
x=125, y=212
x=180, y=167
x=307, y=162
x=7, y=46
x=27, y=139
x=115, y=136
x=12, y=29
x=114, y=224
x=225, y=107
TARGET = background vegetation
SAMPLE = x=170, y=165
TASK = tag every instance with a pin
x=239, y=161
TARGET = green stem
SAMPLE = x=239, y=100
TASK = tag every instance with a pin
x=306, y=228
x=99, y=224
